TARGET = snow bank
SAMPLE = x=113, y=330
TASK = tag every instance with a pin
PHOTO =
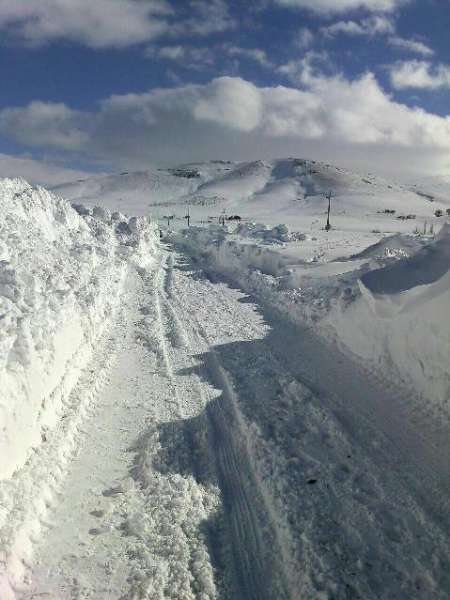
x=228, y=255
x=61, y=274
x=392, y=246
x=424, y=267
x=276, y=235
x=391, y=310
x=401, y=319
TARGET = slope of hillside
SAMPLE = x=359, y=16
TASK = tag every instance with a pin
x=432, y=189
x=134, y=193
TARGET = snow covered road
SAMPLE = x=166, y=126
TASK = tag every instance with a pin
x=229, y=455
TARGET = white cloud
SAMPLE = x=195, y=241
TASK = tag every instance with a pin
x=97, y=24
x=255, y=54
x=306, y=69
x=414, y=46
x=204, y=17
x=330, y=117
x=420, y=75
x=292, y=113
x=326, y=7
x=372, y=26
x=304, y=38
x=232, y=102
x=171, y=52
x=188, y=56
x=344, y=27
x=47, y=124
x=377, y=25
x=195, y=57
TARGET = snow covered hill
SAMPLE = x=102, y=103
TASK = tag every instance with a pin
x=287, y=191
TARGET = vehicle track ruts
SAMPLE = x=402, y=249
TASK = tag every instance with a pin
x=256, y=550
x=351, y=414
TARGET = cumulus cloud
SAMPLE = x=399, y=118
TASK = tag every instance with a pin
x=97, y=24
x=47, y=124
x=330, y=117
x=232, y=102
x=308, y=68
x=419, y=74
x=326, y=7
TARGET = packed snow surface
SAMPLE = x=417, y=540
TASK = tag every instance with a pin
x=254, y=410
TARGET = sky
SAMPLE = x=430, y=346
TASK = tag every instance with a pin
x=107, y=85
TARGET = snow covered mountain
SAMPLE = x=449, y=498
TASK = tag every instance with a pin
x=288, y=191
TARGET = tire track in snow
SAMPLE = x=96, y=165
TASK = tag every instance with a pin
x=129, y=523
x=256, y=548
x=171, y=330
x=363, y=485
x=257, y=554
x=164, y=455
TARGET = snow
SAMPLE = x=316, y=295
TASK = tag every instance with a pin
x=60, y=280
x=400, y=319
x=387, y=304
x=169, y=435
x=424, y=267
x=126, y=493
x=290, y=191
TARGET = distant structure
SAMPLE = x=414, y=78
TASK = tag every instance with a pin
x=188, y=217
x=328, y=197
x=169, y=218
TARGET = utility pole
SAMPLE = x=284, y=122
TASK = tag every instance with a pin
x=169, y=218
x=188, y=217
x=328, y=196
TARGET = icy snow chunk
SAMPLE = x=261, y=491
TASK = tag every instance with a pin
x=82, y=210
x=102, y=214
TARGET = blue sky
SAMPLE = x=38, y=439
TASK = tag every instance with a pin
x=115, y=84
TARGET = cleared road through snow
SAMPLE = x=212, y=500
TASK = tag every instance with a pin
x=215, y=462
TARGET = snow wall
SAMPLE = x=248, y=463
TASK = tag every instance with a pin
x=61, y=274
x=401, y=320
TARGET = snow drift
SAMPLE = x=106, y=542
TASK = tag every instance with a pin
x=61, y=274
x=389, y=306
x=401, y=319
